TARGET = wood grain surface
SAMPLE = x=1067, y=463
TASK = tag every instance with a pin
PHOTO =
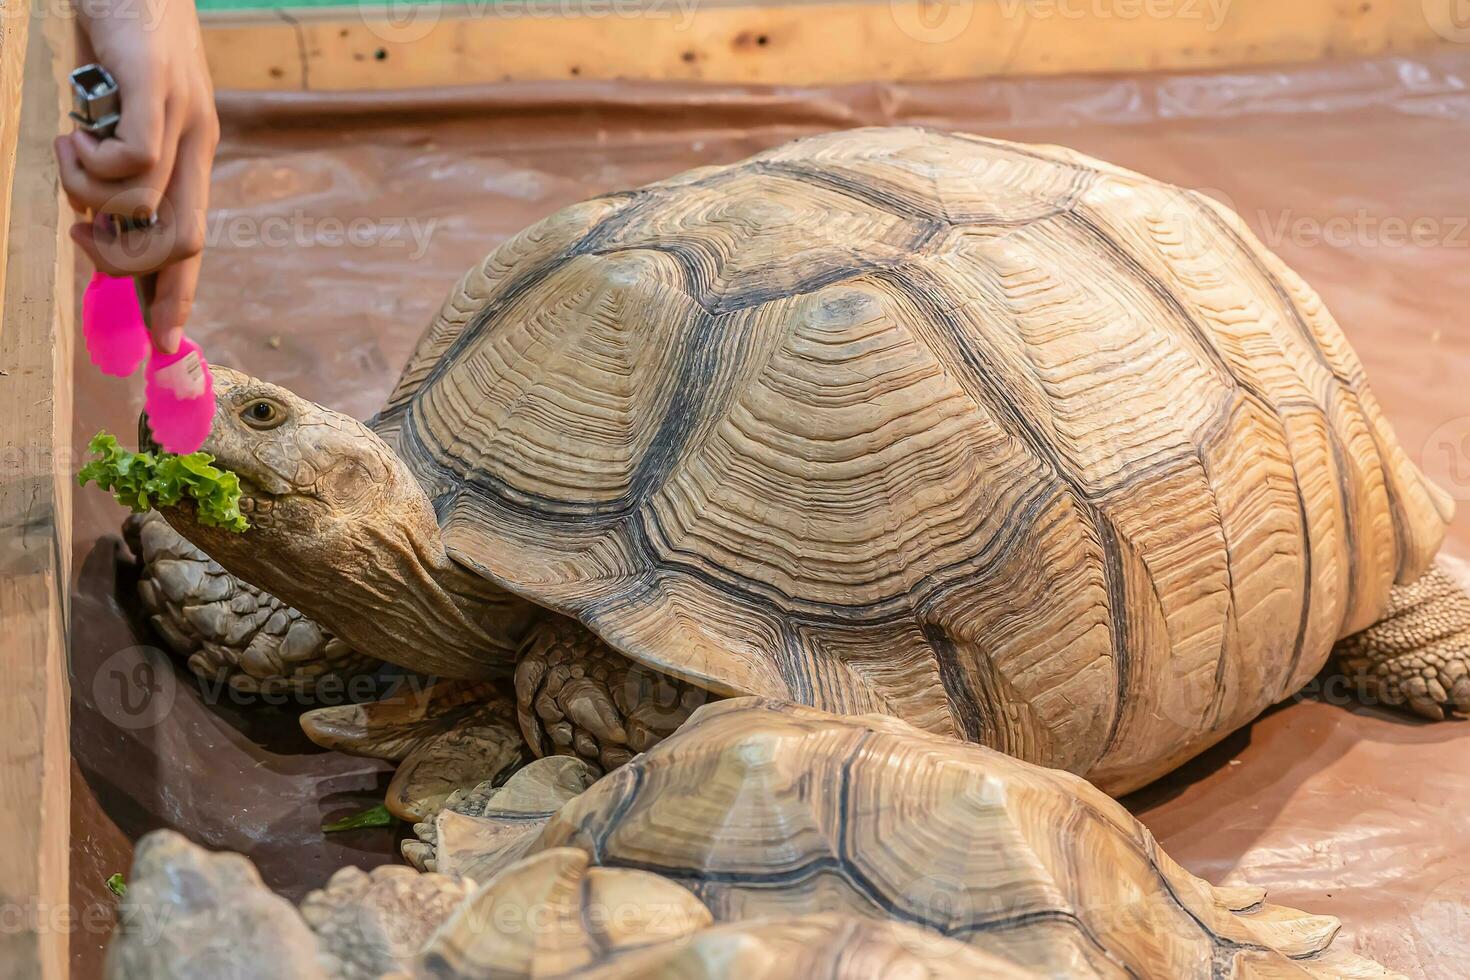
x=35, y=504
x=371, y=47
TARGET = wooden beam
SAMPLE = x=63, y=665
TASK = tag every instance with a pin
x=15, y=21
x=35, y=499
x=814, y=42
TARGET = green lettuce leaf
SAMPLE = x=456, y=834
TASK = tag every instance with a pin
x=144, y=480
x=377, y=816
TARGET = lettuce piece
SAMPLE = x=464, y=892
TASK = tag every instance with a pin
x=145, y=480
x=377, y=816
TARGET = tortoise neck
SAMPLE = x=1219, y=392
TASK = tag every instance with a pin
x=398, y=595
x=370, y=565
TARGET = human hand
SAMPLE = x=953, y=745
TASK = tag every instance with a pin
x=159, y=159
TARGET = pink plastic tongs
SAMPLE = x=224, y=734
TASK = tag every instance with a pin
x=178, y=389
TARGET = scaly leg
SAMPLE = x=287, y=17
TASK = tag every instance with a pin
x=229, y=630
x=576, y=696
x=1418, y=654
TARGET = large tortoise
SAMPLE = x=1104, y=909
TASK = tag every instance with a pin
x=1012, y=444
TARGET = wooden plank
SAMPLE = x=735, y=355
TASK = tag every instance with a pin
x=14, y=23
x=35, y=517
x=822, y=42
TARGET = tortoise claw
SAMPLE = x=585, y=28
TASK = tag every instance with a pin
x=1425, y=708
x=590, y=706
x=1460, y=695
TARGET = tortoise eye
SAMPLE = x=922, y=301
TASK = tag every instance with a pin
x=263, y=414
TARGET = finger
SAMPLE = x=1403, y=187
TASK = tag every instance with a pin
x=122, y=253
x=119, y=254
x=87, y=193
x=188, y=184
x=110, y=159
x=137, y=146
x=187, y=202
x=173, y=301
x=94, y=244
x=76, y=203
x=82, y=191
x=187, y=196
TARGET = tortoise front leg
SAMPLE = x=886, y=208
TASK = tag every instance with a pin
x=1418, y=654
x=229, y=631
x=577, y=696
x=574, y=696
x=446, y=736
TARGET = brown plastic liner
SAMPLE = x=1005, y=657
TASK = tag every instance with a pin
x=1353, y=172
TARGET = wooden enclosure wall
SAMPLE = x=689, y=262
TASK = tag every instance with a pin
x=35, y=494
x=410, y=44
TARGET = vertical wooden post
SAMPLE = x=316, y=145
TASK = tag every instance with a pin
x=15, y=21
x=35, y=492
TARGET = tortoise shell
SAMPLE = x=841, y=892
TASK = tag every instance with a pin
x=999, y=439
x=767, y=810
x=596, y=923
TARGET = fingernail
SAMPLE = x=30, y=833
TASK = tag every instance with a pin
x=169, y=342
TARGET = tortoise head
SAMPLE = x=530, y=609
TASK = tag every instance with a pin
x=306, y=472
x=340, y=527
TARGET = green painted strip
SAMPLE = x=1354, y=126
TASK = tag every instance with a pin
x=224, y=6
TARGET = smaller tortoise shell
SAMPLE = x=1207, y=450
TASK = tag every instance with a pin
x=768, y=810
x=595, y=923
